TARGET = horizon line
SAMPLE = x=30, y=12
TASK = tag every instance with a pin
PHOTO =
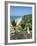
x=23, y=15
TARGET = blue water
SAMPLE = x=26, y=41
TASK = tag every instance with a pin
x=14, y=17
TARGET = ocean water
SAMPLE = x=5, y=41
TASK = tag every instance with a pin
x=14, y=17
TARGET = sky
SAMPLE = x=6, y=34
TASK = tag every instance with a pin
x=20, y=10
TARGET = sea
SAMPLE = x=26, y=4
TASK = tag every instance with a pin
x=14, y=17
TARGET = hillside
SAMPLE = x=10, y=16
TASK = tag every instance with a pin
x=26, y=21
x=24, y=28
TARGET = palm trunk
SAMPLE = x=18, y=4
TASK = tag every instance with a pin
x=28, y=30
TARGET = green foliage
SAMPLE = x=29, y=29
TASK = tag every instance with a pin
x=26, y=21
x=23, y=25
x=19, y=32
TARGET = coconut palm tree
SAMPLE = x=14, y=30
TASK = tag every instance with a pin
x=14, y=24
